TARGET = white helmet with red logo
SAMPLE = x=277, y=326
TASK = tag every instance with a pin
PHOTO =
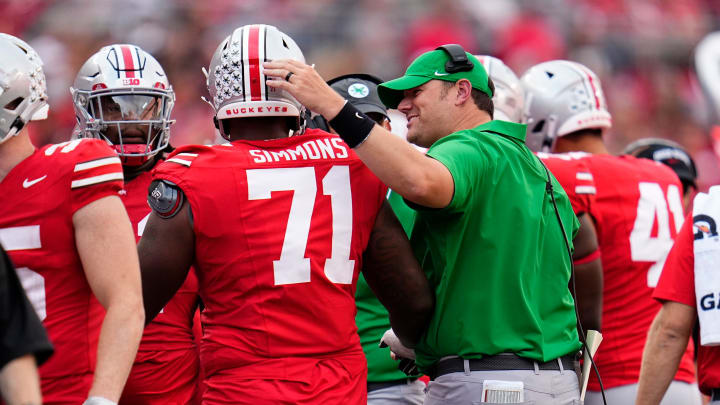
x=235, y=78
x=508, y=97
x=23, y=94
x=561, y=97
x=123, y=87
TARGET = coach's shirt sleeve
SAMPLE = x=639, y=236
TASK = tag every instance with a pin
x=21, y=332
x=460, y=153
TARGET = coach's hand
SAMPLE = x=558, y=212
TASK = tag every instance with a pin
x=305, y=84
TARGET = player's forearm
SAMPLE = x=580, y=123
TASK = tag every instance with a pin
x=589, y=287
x=663, y=350
x=119, y=339
x=19, y=382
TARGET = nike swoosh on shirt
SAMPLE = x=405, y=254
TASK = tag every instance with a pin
x=358, y=116
x=29, y=183
x=441, y=74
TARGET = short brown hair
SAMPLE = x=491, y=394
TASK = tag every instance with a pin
x=481, y=100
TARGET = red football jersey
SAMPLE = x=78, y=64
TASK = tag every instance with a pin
x=574, y=176
x=40, y=196
x=280, y=227
x=172, y=327
x=638, y=211
x=677, y=284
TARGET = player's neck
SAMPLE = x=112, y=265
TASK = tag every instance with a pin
x=13, y=151
x=588, y=143
x=258, y=129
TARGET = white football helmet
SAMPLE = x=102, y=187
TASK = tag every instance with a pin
x=236, y=79
x=121, y=95
x=561, y=97
x=508, y=98
x=23, y=93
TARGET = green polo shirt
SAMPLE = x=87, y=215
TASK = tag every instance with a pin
x=495, y=255
x=372, y=318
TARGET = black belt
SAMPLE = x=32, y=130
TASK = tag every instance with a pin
x=374, y=386
x=503, y=361
x=715, y=395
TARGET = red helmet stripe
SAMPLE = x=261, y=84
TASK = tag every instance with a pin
x=594, y=90
x=254, y=62
x=128, y=61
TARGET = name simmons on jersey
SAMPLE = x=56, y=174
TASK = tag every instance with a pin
x=316, y=149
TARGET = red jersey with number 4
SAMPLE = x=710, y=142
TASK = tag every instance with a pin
x=172, y=328
x=280, y=228
x=574, y=176
x=638, y=211
x=39, y=197
x=677, y=284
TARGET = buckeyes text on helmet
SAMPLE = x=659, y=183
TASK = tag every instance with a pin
x=23, y=92
x=235, y=78
x=561, y=97
x=122, y=95
x=508, y=97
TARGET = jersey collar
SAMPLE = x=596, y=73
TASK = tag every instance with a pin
x=511, y=129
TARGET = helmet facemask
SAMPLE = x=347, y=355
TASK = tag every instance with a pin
x=135, y=122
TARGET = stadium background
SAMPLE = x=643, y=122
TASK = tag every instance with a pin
x=641, y=49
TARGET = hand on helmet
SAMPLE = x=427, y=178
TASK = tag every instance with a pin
x=305, y=84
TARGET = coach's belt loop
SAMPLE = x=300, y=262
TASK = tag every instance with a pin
x=466, y=364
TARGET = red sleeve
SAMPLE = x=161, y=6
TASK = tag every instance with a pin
x=97, y=172
x=575, y=178
x=677, y=281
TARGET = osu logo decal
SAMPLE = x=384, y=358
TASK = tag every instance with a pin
x=704, y=225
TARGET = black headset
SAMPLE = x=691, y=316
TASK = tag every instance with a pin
x=459, y=61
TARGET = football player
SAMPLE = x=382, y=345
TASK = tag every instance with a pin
x=386, y=384
x=577, y=181
x=638, y=211
x=277, y=228
x=67, y=232
x=122, y=96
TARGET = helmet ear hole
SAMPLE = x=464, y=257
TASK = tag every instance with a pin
x=14, y=104
x=539, y=126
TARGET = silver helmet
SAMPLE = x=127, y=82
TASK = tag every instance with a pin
x=23, y=93
x=508, y=97
x=561, y=97
x=122, y=95
x=236, y=80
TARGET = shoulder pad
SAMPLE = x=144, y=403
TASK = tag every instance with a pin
x=165, y=198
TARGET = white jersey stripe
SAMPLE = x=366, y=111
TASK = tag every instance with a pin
x=585, y=190
x=97, y=163
x=180, y=161
x=20, y=237
x=187, y=154
x=97, y=179
x=584, y=176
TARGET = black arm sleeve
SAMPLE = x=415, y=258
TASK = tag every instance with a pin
x=21, y=332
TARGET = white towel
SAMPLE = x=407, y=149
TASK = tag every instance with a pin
x=706, y=247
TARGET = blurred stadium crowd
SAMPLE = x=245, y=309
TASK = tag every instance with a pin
x=641, y=49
